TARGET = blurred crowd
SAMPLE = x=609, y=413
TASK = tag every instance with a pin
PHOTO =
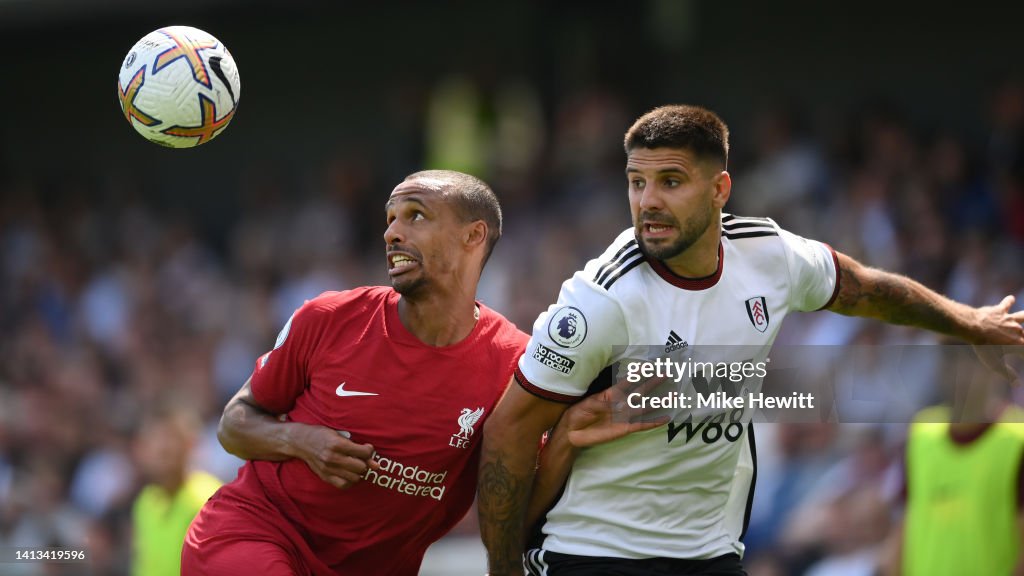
x=111, y=304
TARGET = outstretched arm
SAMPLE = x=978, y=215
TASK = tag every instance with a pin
x=249, y=431
x=874, y=293
x=507, y=463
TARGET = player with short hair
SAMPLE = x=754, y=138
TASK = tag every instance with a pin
x=685, y=274
x=382, y=392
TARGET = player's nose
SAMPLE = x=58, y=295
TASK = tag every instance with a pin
x=650, y=199
x=394, y=233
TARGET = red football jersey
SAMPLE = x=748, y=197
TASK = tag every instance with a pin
x=346, y=361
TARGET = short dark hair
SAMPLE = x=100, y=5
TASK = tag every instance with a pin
x=473, y=200
x=682, y=127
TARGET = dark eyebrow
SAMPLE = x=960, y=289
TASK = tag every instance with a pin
x=660, y=172
x=391, y=202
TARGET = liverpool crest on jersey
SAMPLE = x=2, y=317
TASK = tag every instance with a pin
x=467, y=420
x=757, y=311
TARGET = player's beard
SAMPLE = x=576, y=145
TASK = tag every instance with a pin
x=409, y=288
x=411, y=283
x=689, y=232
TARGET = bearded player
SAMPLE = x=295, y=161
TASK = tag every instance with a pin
x=657, y=502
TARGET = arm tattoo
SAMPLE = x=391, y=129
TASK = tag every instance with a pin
x=502, y=505
x=849, y=290
x=896, y=299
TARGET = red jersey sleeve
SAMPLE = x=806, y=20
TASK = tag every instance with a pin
x=282, y=374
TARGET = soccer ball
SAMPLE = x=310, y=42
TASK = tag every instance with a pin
x=178, y=87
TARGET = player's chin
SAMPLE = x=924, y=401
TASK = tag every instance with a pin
x=661, y=248
x=408, y=284
x=656, y=246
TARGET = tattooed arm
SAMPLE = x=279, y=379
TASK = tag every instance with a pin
x=507, y=464
x=874, y=293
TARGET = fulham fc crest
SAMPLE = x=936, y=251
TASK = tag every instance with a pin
x=757, y=311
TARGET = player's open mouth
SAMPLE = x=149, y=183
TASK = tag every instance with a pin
x=399, y=263
x=657, y=230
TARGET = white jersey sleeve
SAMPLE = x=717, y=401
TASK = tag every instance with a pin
x=813, y=271
x=572, y=341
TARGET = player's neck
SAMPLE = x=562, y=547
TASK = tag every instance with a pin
x=701, y=258
x=974, y=421
x=438, y=320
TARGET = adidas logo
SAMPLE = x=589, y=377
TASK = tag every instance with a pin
x=674, y=342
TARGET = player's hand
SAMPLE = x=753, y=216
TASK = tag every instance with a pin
x=607, y=416
x=997, y=325
x=1000, y=334
x=334, y=458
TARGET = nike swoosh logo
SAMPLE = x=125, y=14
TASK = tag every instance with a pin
x=342, y=392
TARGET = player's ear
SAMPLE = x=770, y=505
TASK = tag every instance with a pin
x=722, y=183
x=474, y=234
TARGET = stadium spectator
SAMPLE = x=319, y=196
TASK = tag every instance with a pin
x=172, y=496
x=963, y=483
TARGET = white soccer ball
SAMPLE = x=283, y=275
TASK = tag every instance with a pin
x=178, y=87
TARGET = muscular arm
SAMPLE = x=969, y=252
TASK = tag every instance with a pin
x=874, y=293
x=554, y=463
x=507, y=464
x=250, y=432
x=507, y=478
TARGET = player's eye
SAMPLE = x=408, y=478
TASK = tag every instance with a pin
x=417, y=215
x=637, y=183
x=672, y=182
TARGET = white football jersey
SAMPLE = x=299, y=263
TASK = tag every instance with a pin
x=682, y=490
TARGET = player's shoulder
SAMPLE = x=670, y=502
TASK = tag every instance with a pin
x=761, y=241
x=736, y=227
x=353, y=300
x=343, y=304
x=1012, y=421
x=752, y=232
x=597, y=291
x=621, y=257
